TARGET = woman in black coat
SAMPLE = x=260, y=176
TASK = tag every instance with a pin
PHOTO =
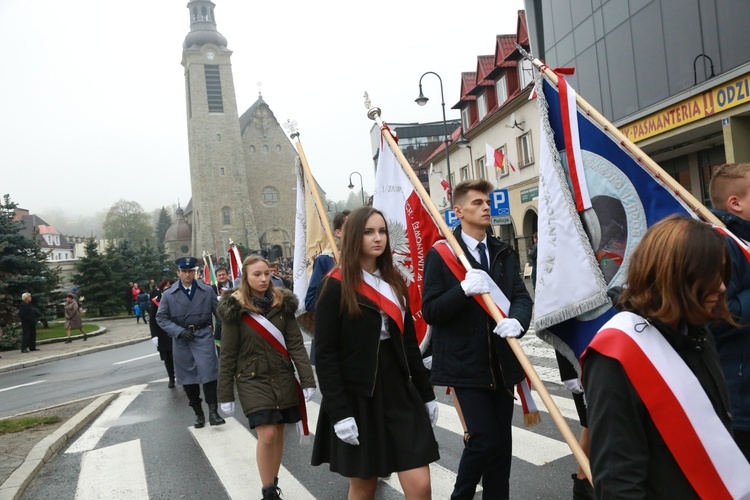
x=378, y=404
x=159, y=337
x=657, y=403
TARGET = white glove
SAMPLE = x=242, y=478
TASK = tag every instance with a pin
x=155, y=341
x=573, y=385
x=427, y=362
x=508, y=327
x=346, y=430
x=476, y=282
x=309, y=393
x=227, y=408
x=432, y=411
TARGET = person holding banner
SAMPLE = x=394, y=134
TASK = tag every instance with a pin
x=469, y=352
x=658, y=408
x=260, y=350
x=322, y=265
x=730, y=196
x=378, y=404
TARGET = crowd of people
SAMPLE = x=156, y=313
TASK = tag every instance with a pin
x=661, y=397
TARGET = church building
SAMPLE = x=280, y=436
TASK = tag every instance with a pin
x=242, y=168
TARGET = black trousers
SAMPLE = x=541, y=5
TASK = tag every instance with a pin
x=488, y=414
x=28, y=338
x=168, y=363
x=194, y=393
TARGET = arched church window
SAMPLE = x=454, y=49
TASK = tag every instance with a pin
x=269, y=196
x=265, y=148
x=252, y=149
x=212, y=15
x=204, y=14
x=195, y=13
x=225, y=215
x=278, y=148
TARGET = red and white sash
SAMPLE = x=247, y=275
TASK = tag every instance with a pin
x=380, y=292
x=273, y=336
x=458, y=270
x=678, y=405
x=530, y=411
x=740, y=243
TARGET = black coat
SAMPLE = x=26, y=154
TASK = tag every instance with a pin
x=28, y=314
x=346, y=351
x=165, y=341
x=465, y=351
x=629, y=458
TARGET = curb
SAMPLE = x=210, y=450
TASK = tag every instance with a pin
x=41, y=361
x=14, y=486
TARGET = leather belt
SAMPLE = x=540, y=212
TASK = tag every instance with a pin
x=198, y=327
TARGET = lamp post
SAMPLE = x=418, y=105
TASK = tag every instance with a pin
x=422, y=100
x=464, y=143
x=361, y=185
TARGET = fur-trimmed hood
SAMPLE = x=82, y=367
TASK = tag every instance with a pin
x=230, y=307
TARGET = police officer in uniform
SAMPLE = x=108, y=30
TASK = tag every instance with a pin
x=185, y=313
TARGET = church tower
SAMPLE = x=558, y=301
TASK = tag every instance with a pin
x=221, y=208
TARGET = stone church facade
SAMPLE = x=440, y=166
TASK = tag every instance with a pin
x=241, y=167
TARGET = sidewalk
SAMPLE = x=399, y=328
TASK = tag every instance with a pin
x=111, y=334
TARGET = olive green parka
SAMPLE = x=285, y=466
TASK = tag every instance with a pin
x=264, y=377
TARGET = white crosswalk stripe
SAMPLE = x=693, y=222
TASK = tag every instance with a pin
x=231, y=450
x=115, y=472
x=91, y=437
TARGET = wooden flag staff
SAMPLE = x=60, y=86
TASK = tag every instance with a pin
x=312, y=186
x=374, y=114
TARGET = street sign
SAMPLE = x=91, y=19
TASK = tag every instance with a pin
x=499, y=203
x=451, y=219
x=500, y=220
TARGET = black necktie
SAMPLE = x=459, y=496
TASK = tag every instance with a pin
x=483, y=257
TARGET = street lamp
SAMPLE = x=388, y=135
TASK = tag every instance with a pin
x=361, y=185
x=464, y=143
x=422, y=100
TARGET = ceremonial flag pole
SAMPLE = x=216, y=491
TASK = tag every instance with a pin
x=312, y=186
x=374, y=114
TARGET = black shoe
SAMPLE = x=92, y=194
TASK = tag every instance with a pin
x=213, y=416
x=85, y=337
x=35, y=349
x=24, y=351
x=271, y=493
x=582, y=489
x=68, y=341
x=200, y=421
x=171, y=383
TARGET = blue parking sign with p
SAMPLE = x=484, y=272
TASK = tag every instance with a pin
x=499, y=203
x=451, y=219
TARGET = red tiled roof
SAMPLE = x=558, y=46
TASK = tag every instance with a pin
x=441, y=147
x=522, y=30
x=505, y=45
x=485, y=64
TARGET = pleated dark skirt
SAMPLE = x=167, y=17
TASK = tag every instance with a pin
x=394, y=428
x=285, y=416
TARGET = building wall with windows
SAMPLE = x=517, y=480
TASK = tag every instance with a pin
x=502, y=83
x=672, y=75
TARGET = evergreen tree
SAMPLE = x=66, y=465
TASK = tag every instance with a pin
x=98, y=286
x=23, y=268
x=162, y=225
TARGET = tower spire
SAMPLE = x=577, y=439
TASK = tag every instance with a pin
x=203, y=25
